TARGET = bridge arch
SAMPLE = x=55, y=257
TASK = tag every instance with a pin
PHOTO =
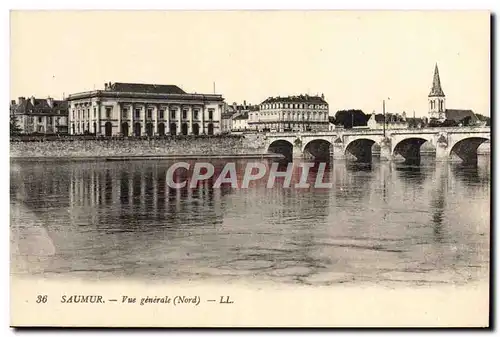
x=409, y=148
x=466, y=148
x=281, y=146
x=361, y=148
x=319, y=148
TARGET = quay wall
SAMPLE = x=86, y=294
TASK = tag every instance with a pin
x=175, y=146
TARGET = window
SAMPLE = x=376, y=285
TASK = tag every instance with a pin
x=73, y=114
x=108, y=112
x=210, y=114
x=78, y=114
x=162, y=112
x=172, y=113
x=150, y=113
x=88, y=113
x=125, y=113
x=95, y=112
x=184, y=114
x=49, y=120
x=39, y=119
x=137, y=113
x=196, y=114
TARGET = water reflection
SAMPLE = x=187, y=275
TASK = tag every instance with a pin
x=378, y=222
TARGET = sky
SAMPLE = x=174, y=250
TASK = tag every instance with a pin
x=356, y=59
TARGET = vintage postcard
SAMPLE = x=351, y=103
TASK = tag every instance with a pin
x=250, y=168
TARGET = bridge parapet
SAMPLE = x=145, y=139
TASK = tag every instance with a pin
x=339, y=132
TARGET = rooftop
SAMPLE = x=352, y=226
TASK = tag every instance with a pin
x=39, y=106
x=296, y=99
x=144, y=88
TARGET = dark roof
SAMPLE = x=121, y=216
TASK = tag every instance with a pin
x=41, y=106
x=436, y=90
x=146, y=88
x=296, y=99
x=226, y=115
x=458, y=114
x=242, y=115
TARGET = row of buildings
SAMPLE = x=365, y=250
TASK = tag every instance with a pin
x=134, y=109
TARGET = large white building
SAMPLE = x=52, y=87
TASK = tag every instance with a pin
x=134, y=109
x=292, y=113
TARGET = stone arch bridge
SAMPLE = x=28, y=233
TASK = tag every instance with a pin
x=462, y=141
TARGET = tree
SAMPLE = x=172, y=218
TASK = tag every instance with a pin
x=351, y=118
x=485, y=119
x=449, y=123
x=15, y=129
x=433, y=123
x=466, y=121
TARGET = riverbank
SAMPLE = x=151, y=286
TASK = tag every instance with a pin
x=143, y=149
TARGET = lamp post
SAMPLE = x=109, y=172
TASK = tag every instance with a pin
x=383, y=109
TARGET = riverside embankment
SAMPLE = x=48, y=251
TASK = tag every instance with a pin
x=249, y=146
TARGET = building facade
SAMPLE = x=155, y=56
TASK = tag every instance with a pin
x=240, y=122
x=292, y=113
x=392, y=121
x=134, y=109
x=236, y=116
x=40, y=115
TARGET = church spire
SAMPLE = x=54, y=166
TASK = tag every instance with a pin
x=436, y=90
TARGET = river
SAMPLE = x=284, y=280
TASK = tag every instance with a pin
x=383, y=223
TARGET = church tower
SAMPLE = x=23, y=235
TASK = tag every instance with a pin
x=437, y=98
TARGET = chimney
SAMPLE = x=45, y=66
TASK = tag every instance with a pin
x=105, y=86
x=13, y=102
x=244, y=104
x=21, y=99
x=32, y=99
x=50, y=101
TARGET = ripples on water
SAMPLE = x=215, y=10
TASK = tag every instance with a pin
x=383, y=222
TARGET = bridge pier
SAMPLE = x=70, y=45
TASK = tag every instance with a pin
x=297, y=153
x=338, y=151
x=385, y=150
x=442, y=153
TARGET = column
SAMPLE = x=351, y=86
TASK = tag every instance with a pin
x=98, y=122
x=45, y=124
x=190, y=120
x=144, y=129
x=167, y=119
x=202, y=111
x=179, y=120
x=131, y=118
x=119, y=107
x=156, y=115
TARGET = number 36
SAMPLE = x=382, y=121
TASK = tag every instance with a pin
x=41, y=299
